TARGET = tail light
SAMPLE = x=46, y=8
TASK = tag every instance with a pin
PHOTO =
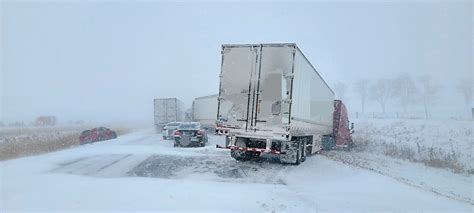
x=200, y=133
x=178, y=133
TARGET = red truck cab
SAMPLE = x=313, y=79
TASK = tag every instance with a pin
x=341, y=130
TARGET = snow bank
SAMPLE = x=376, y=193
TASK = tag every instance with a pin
x=100, y=177
x=437, y=143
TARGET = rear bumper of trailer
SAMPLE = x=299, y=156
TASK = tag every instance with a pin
x=272, y=151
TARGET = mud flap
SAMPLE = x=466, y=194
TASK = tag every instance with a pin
x=328, y=142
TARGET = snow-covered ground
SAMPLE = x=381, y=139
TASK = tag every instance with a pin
x=443, y=143
x=436, y=180
x=22, y=141
x=140, y=171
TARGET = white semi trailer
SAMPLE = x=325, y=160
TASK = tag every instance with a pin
x=167, y=110
x=274, y=101
x=204, y=111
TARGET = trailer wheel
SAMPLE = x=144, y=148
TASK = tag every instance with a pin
x=239, y=154
x=349, y=146
x=309, y=145
x=298, y=152
x=303, y=149
x=243, y=155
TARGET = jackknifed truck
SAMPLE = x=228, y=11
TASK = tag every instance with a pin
x=273, y=101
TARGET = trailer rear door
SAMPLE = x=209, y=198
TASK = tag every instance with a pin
x=256, y=85
x=273, y=85
x=237, y=84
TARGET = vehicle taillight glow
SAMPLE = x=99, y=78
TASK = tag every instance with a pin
x=199, y=132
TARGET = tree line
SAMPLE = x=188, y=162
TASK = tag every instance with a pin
x=404, y=90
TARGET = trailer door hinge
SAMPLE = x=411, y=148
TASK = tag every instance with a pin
x=289, y=75
x=225, y=50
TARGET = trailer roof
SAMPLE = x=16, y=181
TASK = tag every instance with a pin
x=257, y=45
x=280, y=45
x=163, y=98
x=207, y=96
x=314, y=69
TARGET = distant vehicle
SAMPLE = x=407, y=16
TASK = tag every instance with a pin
x=190, y=134
x=272, y=100
x=204, y=111
x=169, y=129
x=45, y=121
x=96, y=134
x=167, y=110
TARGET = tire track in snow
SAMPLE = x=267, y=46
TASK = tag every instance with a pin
x=113, y=162
x=363, y=164
x=215, y=167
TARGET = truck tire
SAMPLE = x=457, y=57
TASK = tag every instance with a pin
x=303, y=149
x=298, y=152
x=309, y=146
x=238, y=154
x=349, y=146
x=243, y=155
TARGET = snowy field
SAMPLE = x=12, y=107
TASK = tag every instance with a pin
x=30, y=140
x=141, y=172
x=436, y=143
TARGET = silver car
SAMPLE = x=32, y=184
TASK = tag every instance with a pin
x=169, y=129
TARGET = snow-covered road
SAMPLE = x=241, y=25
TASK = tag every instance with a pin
x=140, y=171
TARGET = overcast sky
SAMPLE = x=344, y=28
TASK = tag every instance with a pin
x=106, y=61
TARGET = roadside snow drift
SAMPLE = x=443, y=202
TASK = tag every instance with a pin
x=140, y=171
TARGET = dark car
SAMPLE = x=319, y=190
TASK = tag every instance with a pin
x=96, y=134
x=190, y=134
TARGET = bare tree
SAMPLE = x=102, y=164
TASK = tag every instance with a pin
x=465, y=88
x=362, y=89
x=429, y=90
x=380, y=92
x=404, y=91
x=340, y=89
